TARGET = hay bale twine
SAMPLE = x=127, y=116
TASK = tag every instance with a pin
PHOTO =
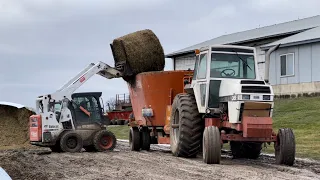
x=140, y=51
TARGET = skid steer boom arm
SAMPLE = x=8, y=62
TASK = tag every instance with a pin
x=73, y=84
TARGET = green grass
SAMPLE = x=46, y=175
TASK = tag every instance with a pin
x=121, y=132
x=302, y=115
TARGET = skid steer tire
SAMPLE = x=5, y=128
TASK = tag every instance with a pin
x=145, y=139
x=90, y=148
x=71, y=142
x=56, y=147
x=134, y=139
x=104, y=140
x=285, y=147
x=211, y=145
x=185, y=141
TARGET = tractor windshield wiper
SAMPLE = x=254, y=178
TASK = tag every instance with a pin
x=242, y=60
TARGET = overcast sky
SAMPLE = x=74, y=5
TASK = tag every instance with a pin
x=44, y=43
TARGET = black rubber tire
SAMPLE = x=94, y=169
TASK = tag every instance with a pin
x=250, y=150
x=126, y=122
x=113, y=122
x=104, y=140
x=56, y=147
x=186, y=142
x=211, y=145
x=253, y=150
x=90, y=148
x=71, y=142
x=145, y=139
x=285, y=147
x=134, y=139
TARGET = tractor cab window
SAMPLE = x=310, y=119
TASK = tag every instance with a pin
x=202, y=68
x=238, y=66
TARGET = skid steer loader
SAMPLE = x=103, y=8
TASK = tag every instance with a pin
x=67, y=121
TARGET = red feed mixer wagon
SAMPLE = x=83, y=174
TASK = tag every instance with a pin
x=222, y=101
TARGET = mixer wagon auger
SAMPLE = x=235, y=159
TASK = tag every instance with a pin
x=222, y=101
x=68, y=121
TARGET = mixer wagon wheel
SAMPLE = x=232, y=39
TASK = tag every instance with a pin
x=186, y=126
x=145, y=139
x=71, y=142
x=104, y=140
x=285, y=147
x=211, y=145
x=134, y=139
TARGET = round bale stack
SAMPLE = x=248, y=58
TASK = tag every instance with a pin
x=138, y=52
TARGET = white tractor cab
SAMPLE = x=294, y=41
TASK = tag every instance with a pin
x=67, y=121
x=227, y=101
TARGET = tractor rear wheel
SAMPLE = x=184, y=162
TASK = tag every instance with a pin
x=250, y=150
x=211, y=147
x=145, y=139
x=104, y=140
x=186, y=137
x=71, y=142
x=285, y=147
x=134, y=139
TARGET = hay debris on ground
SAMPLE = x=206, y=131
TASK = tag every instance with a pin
x=140, y=51
x=14, y=125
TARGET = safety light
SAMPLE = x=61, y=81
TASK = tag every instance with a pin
x=197, y=51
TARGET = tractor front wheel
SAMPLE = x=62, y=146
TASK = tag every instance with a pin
x=285, y=147
x=211, y=145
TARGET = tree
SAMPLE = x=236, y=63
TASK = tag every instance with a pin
x=110, y=104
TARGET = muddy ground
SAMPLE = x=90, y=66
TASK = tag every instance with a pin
x=156, y=164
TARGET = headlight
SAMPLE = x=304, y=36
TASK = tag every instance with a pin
x=208, y=111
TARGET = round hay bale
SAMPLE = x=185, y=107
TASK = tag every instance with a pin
x=140, y=51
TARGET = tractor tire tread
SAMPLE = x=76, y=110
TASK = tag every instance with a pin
x=190, y=126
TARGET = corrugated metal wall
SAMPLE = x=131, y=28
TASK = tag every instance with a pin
x=306, y=64
x=184, y=62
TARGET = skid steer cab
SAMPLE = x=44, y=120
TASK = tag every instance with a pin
x=70, y=125
x=227, y=102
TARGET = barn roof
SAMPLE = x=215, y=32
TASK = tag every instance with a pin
x=287, y=28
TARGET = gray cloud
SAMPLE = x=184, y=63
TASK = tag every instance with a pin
x=44, y=43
